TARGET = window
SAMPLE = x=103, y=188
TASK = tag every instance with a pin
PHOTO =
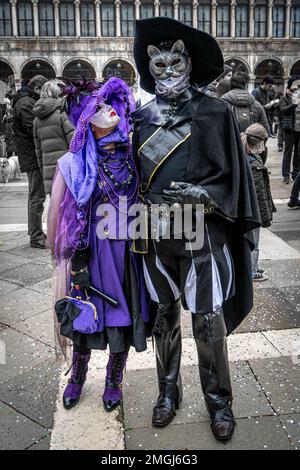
x=204, y=18
x=185, y=14
x=127, y=20
x=241, y=21
x=166, y=9
x=108, y=19
x=278, y=21
x=5, y=19
x=146, y=11
x=67, y=19
x=87, y=19
x=223, y=21
x=46, y=16
x=25, y=19
x=295, y=22
x=260, y=21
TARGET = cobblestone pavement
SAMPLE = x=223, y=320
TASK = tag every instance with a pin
x=264, y=355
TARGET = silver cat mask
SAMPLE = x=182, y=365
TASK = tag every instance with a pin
x=170, y=67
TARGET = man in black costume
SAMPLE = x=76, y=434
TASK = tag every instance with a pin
x=189, y=152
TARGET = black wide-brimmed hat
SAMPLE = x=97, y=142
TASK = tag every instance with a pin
x=205, y=53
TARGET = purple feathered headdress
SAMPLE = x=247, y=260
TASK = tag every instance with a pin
x=83, y=99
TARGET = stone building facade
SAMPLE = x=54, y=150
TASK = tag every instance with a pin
x=94, y=37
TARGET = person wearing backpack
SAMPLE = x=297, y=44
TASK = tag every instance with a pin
x=253, y=140
x=246, y=109
x=52, y=131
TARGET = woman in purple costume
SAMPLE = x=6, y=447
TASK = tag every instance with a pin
x=95, y=185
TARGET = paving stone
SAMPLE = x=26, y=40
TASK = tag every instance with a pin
x=292, y=427
x=16, y=431
x=39, y=327
x=25, y=304
x=293, y=296
x=33, y=393
x=9, y=261
x=43, y=444
x=31, y=253
x=265, y=433
x=272, y=310
x=28, y=274
x=138, y=401
x=12, y=240
x=280, y=379
x=22, y=354
x=283, y=273
x=16, y=216
x=46, y=286
x=7, y=287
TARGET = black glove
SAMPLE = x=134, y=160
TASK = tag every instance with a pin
x=186, y=193
x=79, y=269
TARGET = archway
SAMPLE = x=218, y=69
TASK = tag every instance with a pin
x=269, y=67
x=295, y=70
x=236, y=65
x=79, y=68
x=37, y=67
x=6, y=72
x=120, y=69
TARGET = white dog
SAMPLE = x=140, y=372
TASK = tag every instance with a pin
x=9, y=169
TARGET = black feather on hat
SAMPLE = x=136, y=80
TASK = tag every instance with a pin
x=205, y=53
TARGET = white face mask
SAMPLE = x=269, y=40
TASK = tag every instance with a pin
x=105, y=118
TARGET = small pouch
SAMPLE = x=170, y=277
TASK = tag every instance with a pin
x=82, y=313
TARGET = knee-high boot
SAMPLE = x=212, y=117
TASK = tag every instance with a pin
x=210, y=336
x=167, y=334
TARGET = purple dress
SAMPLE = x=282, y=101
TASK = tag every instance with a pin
x=113, y=268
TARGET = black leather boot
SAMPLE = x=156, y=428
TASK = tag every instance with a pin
x=210, y=336
x=167, y=333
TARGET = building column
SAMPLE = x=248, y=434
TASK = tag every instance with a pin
x=195, y=13
x=98, y=18
x=56, y=18
x=14, y=17
x=232, y=18
x=137, y=4
x=156, y=7
x=270, y=18
x=287, y=18
x=118, y=18
x=35, y=17
x=176, y=9
x=251, y=18
x=214, y=4
x=77, y=17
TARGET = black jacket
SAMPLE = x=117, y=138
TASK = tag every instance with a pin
x=23, y=128
x=287, y=109
x=242, y=102
x=263, y=190
x=218, y=163
x=52, y=133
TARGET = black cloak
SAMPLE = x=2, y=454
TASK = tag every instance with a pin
x=218, y=163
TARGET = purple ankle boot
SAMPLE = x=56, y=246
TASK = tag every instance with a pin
x=79, y=370
x=113, y=382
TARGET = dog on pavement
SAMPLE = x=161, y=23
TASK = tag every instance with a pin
x=9, y=169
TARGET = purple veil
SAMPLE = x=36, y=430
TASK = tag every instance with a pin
x=79, y=167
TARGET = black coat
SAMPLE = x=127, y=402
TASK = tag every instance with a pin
x=263, y=190
x=287, y=110
x=23, y=128
x=218, y=163
x=242, y=102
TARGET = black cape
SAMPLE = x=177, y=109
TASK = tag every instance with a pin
x=218, y=163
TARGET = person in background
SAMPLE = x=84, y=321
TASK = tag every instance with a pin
x=290, y=108
x=294, y=202
x=253, y=140
x=263, y=94
x=23, y=131
x=244, y=106
x=9, y=133
x=52, y=131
